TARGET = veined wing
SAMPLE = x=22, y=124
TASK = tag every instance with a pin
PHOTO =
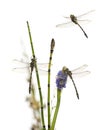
x=81, y=74
x=67, y=24
x=43, y=65
x=83, y=22
x=79, y=69
x=16, y=61
x=67, y=17
x=20, y=65
x=70, y=23
x=82, y=15
x=80, y=21
x=27, y=68
x=23, y=66
x=87, y=13
x=27, y=64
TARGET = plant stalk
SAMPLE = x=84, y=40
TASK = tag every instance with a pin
x=49, y=75
x=37, y=76
x=57, y=109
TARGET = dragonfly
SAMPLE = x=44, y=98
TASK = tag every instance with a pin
x=75, y=19
x=62, y=76
x=31, y=67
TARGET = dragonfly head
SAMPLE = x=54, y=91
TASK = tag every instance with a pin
x=32, y=60
x=65, y=69
x=73, y=18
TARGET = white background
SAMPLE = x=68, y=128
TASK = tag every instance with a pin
x=72, y=49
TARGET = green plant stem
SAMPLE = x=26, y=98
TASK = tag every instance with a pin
x=57, y=109
x=49, y=75
x=37, y=76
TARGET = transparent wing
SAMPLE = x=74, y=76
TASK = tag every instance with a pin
x=18, y=68
x=22, y=66
x=70, y=23
x=79, y=69
x=20, y=62
x=43, y=72
x=81, y=74
x=67, y=17
x=87, y=13
x=67, y=24
x=83, y=22
x=27, y=68
x=43, y=65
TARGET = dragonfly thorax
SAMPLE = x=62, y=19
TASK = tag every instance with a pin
x=32, y=63
x=74, y=19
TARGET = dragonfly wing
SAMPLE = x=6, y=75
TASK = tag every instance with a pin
x=43, y=65
x=87, y=13
x=67, y=17
x=17, y=68
x=43, y=72
x=20, y=61
x=81, y=74
x=68, y=24
x=21, y=69
x=83, y=22
x=20, y=65
x=79, y=69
